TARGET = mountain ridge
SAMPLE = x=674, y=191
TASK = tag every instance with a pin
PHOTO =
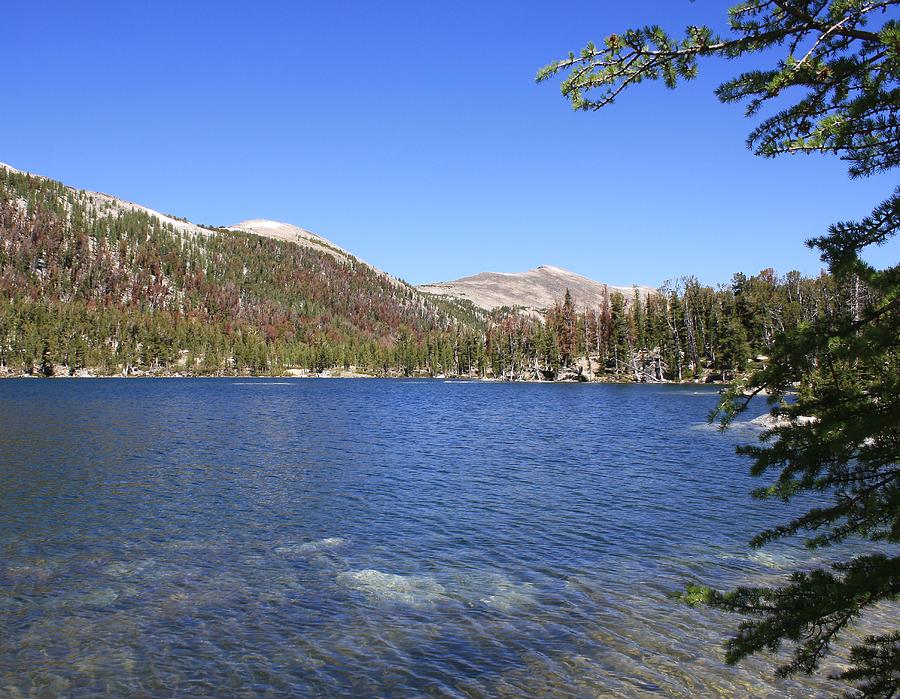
x=94, y=285
x=88, y=280
x=265, y=228
x=535, y=289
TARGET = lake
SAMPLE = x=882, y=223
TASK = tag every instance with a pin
x=269, y=537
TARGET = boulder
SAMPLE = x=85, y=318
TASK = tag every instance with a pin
x=567, y=373
x=769, y=421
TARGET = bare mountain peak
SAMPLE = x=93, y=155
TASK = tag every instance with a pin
x=538, y=288
x=283, y=231
x=265, y=224
x=287, y=231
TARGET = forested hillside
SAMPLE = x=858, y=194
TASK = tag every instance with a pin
x=87, y=283
x=92, y=284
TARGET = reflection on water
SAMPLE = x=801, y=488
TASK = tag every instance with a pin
x=212, y=537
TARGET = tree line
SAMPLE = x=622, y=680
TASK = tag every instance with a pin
x=684, y=332
x=85, y=285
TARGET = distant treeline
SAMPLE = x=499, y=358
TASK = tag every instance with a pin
x=686, y=331
x=88, y=285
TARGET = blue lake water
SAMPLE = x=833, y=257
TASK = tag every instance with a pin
x=263, y=537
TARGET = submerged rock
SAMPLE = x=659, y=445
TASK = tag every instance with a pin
x=507, y=596
x=101, y=597
x=414, y=590
x=310, y=547
x=121, y=569
x=327, y=543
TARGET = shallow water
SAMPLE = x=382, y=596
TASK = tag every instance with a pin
x=319, y=537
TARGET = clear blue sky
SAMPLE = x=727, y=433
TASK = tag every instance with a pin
x=413, y=134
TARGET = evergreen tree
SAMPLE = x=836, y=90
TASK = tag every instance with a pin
x=735, y=350
x=618, y=338
x=566, y=336
x=46, y=362
x=838, y=92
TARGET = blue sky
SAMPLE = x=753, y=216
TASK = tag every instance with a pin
x=413, y=134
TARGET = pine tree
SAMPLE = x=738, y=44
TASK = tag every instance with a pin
x=838, y=92
x=566, y=333
x=618, y=338
x=735, y=350
x=46, y=362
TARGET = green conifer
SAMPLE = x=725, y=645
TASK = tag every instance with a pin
x=836, y=91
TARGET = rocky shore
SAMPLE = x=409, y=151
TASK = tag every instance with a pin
x=573, y=374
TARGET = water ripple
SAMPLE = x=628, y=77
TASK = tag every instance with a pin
x=201, y=538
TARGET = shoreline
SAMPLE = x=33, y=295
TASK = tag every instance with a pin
x=356, y=375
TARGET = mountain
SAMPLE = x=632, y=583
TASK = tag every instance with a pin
x=536, y=289
x=294, y=234
x=90, y=280
x=92, y=284
x=101, y=202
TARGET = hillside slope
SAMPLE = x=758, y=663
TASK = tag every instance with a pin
x=536, y=289
x=108, y=205
x=89, y=280
x=91, y=284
